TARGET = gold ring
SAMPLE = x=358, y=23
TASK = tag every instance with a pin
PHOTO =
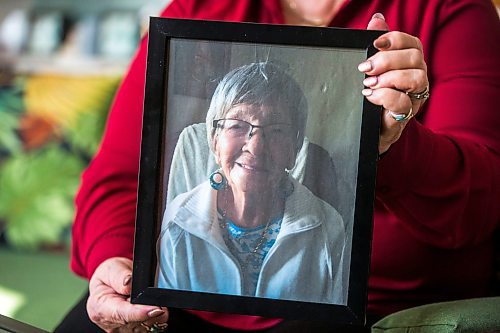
x=420, y=95
x=156, y=328
x=400, y=117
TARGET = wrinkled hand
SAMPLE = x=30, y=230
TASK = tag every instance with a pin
x=397, y=68
x=109, y=305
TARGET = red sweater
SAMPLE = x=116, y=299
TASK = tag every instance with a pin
x=438, y=188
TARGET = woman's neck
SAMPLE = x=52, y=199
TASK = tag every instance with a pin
x=312, y=13
x=250, y=210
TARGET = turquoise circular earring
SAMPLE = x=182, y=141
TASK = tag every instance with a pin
x=217, y=180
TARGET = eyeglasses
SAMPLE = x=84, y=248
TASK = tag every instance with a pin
x=240, y=129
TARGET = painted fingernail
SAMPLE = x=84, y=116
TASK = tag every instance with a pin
x=127, y=280
x=370, y=81
x=382, y=43
x=365, y=66
x=366, y=92
x=378, y=16
x=155, y=313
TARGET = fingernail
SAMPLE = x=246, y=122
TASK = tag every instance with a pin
x=127, y=280
x=366, y=92
x=370, y=81
x=365, y=66
x=381, y=43
x=155, y=313
x=378, y=16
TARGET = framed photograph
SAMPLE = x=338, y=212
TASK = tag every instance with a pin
x=257, y=171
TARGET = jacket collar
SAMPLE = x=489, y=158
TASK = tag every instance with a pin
x=198, y=215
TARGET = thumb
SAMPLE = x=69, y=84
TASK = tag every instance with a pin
x=114, y=273
x=120, y=276
x=378, y=22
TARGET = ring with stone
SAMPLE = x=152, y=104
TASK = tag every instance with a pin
x=400, y=117
x=156, y=327
x=420, y=95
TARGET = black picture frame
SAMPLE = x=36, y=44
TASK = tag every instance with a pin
x=172, y=42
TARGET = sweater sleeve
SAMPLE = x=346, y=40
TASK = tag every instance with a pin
x=442, y=178
x=106, y=202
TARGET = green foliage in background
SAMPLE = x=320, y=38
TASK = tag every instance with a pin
x=37, y=188
x=11, y=105
x=85, y=134
x=36, y=196
x=9, y=142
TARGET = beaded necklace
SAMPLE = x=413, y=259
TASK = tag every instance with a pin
x=286, y=189
x=223, y=223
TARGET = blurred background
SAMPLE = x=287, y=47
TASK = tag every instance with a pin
x=60, y=64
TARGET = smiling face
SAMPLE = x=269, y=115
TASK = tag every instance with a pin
x=255, y=162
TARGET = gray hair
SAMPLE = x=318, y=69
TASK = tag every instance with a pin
x=258, y=84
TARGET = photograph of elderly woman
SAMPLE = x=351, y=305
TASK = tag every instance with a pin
x=262, y=173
